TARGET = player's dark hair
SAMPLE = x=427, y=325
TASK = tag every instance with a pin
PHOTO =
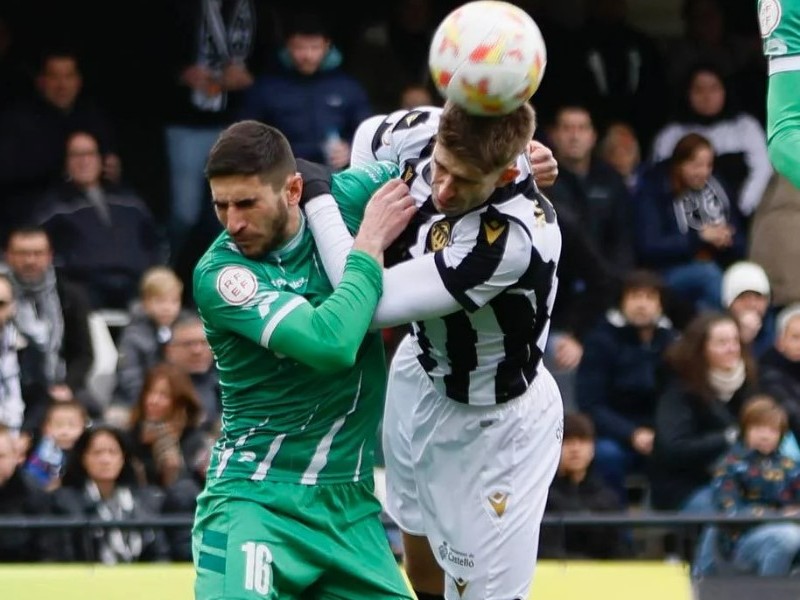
x=252, y=148
x=578, y=426
x=487, y=143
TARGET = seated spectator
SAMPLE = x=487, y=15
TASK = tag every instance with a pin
x=576, y=490
x=104, y=236
x=20, y=497
x=53, y=314
x=100, y=482
x=756, y=478
x=165, y=437
x=12, y=404
x=746, y=294
x=414, y=95
x=64, y=423
x=696, y=418
x=188, y=349
x=621, y=377
x=779, y=367
x=620, y=149
x=684, y=225
x=141, y=343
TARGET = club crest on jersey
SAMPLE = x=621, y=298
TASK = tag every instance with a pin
x=439, y=236
x=236, y=285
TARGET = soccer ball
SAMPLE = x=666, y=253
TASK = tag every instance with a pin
x=488, y=57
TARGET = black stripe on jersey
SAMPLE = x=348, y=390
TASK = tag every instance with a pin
x=522, y=324
x=377, y=138
x=398, y=251
x=461, y=345
x=481, y=262
x=425, y=359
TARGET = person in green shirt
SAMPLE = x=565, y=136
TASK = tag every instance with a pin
x=779, y=21
x=289, y=510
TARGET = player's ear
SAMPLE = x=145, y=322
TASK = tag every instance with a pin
x=294, y=188
x=509, y=174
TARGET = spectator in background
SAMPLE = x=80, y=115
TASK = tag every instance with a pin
x=625, y=68
x=100, y=482
x=311, y=99
x=684, y=225
x=746, y=295
x=620, y=149
x=738, y=139
x=755, y=478
x=621, y=377
x=20, y=497
x=774, y=243
x=103, y=235
x=53, y=314
x=142, y=340
x=210, y=52
x=779, y=367
x=575, y=489
x=188, y=349
x=64, y=423
x=414, y=95
x=13, y=407
x=33, y=135
x=696, y=418
x=590, y=188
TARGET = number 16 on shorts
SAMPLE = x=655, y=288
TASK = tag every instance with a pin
x=258, y=568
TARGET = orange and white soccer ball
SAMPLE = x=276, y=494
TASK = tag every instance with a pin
x=488, y=57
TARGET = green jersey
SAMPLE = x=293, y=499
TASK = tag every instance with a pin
x=779, y=21
x=302, y=396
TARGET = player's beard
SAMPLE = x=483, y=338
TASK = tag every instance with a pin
x=276, y=233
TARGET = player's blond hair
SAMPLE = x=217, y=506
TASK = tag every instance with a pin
x=159, y=281
x=487, y=143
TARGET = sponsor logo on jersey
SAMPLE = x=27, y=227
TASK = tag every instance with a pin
x=439, y=236
x=769, y=16
x=236, y=285
x=493, y=230
x=498, y=500
x=450, y=554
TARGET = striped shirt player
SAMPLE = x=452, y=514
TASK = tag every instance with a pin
x=289, y=500
x=779, y=21
x=472, y=421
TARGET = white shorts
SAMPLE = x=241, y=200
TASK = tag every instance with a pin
x=472, y=479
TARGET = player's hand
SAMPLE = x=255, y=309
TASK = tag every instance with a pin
x=543, y=164
x=386, y=215
x=316, y=179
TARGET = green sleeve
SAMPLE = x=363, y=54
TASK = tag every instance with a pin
x=783, y=124
x=353, y=187
x=234, y=299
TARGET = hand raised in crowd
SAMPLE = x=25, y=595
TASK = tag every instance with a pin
x=236, y=77
x=642, y=440
x=197, y=77
x=569, y=352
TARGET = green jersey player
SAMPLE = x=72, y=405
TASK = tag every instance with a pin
x=288, y=510
x=779, y=21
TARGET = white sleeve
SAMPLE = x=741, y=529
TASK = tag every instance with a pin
x=331, y=236
x=361, y=151
x=757, y=160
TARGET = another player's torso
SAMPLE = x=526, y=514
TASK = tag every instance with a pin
x=490, y=355
x=779, y=21
x=281, y=420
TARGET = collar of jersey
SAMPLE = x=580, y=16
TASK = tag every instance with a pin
x=293, y=243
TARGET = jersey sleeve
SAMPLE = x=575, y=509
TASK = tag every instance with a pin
x=353, y=188
x=234, y=299
x=783, y=124
x=396, y=137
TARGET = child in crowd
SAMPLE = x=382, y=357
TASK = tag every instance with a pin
x=142, y=340
x=756, y=478
x=63, y=424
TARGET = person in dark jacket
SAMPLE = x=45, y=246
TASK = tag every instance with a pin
x=576, y=489
x=621, y=376
x=20, y=496
x=779, y=368
x=696, y=418
x=100, y=482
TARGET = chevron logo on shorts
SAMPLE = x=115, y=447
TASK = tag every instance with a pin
x=498, y=500
x=461, y=585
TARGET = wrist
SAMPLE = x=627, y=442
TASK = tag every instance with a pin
x=369, y=245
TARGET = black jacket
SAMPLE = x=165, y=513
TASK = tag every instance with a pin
x=21, y=497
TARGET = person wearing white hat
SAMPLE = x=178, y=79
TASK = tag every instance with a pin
x=746, y=293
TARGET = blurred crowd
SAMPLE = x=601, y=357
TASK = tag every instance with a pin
x=676, y=334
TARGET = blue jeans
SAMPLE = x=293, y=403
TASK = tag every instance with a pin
x=613, y=461
x=768, y=549
x=699, y=282
x=187, y=152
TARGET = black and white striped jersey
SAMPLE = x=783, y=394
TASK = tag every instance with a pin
x=498, y=261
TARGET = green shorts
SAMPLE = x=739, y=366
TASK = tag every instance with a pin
x=256, y=540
